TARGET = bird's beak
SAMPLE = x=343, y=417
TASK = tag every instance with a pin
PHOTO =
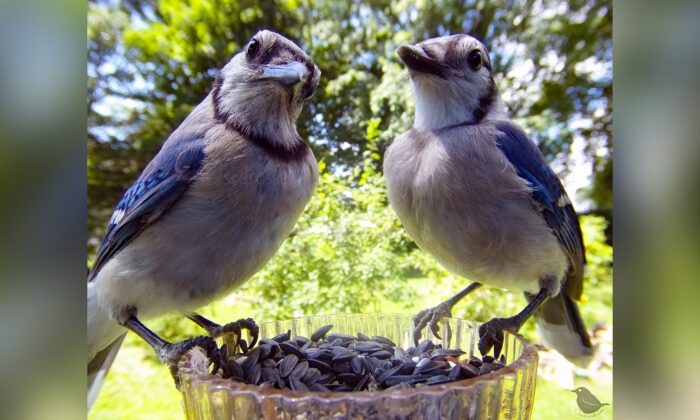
x=418, y=61
x=287, y=75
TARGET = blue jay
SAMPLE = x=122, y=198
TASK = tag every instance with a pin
x=473, y=190
x=210, y=209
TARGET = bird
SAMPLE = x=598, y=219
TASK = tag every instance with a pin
x=210, y=209
x=586, y=401
x=472, y=189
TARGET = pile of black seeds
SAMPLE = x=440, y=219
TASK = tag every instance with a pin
x=337, y=362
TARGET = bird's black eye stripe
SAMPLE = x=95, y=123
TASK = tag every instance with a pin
x=475, y=60
x=252, y=48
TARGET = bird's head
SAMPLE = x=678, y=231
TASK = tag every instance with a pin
x=261, y=90
x=452, y=81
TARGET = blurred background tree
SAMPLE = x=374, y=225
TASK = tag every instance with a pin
x=151, y=61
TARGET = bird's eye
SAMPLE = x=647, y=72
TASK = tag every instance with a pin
x=252, y=48
x=474, y=60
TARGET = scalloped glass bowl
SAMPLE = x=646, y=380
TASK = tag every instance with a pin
x=507, y=393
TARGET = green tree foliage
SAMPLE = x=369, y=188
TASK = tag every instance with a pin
x=346, y=245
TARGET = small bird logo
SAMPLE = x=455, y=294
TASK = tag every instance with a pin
x=586, y=401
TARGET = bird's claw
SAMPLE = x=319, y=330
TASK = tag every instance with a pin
x=171, y=353
x=432, y=317
x=491, y=335
x=235, y=328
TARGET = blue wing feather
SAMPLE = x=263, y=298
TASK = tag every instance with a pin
x=161, y=184
x=549, y=196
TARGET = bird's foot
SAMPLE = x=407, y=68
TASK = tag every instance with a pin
x=171, y=353
x=432, y=317
x=491, y=334
x=235, y=328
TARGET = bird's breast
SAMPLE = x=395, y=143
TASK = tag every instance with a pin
x=229, y=223
x=460, y=202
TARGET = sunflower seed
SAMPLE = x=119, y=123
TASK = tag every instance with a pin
x=440, y=379
x=326, y=378
x=289, y=348
x=488, y=368
x=388, y=373
x=372, y=363
x=455, y=373
x=300, y=370
x=400, y=354
x=349, y=378
x=342, y=367
x=366, y=346
x=270, y=375
x=381, y=354
x=266, y=351
x=342, y=363
x=441, y=354
x=235, y=369
x=318, y=388
x=287, y=364
x=269, y=363
x=407, y=368
x=323, y=355
x=356, y=365
x=282, y=337
x=361, y=383
x=383, y=340
x=297, y=385
x=252, y=376
x=321, y=366
x=469, y=371
x=341, y=354
x=342, y=337
x=251, y=359
x=311, y=376
x=425, y=365
x=300, y=340
x=339, y=387
x=393, y=380
x=424, y=346
x=320, y=333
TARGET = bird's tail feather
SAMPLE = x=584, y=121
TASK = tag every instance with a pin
x=559, y=323
x=104, y=337
x=98, y=368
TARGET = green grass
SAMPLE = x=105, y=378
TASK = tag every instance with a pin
x=138, y=387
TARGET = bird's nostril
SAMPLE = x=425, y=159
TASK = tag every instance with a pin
x=429, y=53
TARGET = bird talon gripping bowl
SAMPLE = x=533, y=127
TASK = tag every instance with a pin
x=352, y=370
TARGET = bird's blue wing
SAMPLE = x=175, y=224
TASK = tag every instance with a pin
x=161, y=184
x=549, y=197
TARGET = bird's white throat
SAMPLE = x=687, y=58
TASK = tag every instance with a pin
x=444, y=103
